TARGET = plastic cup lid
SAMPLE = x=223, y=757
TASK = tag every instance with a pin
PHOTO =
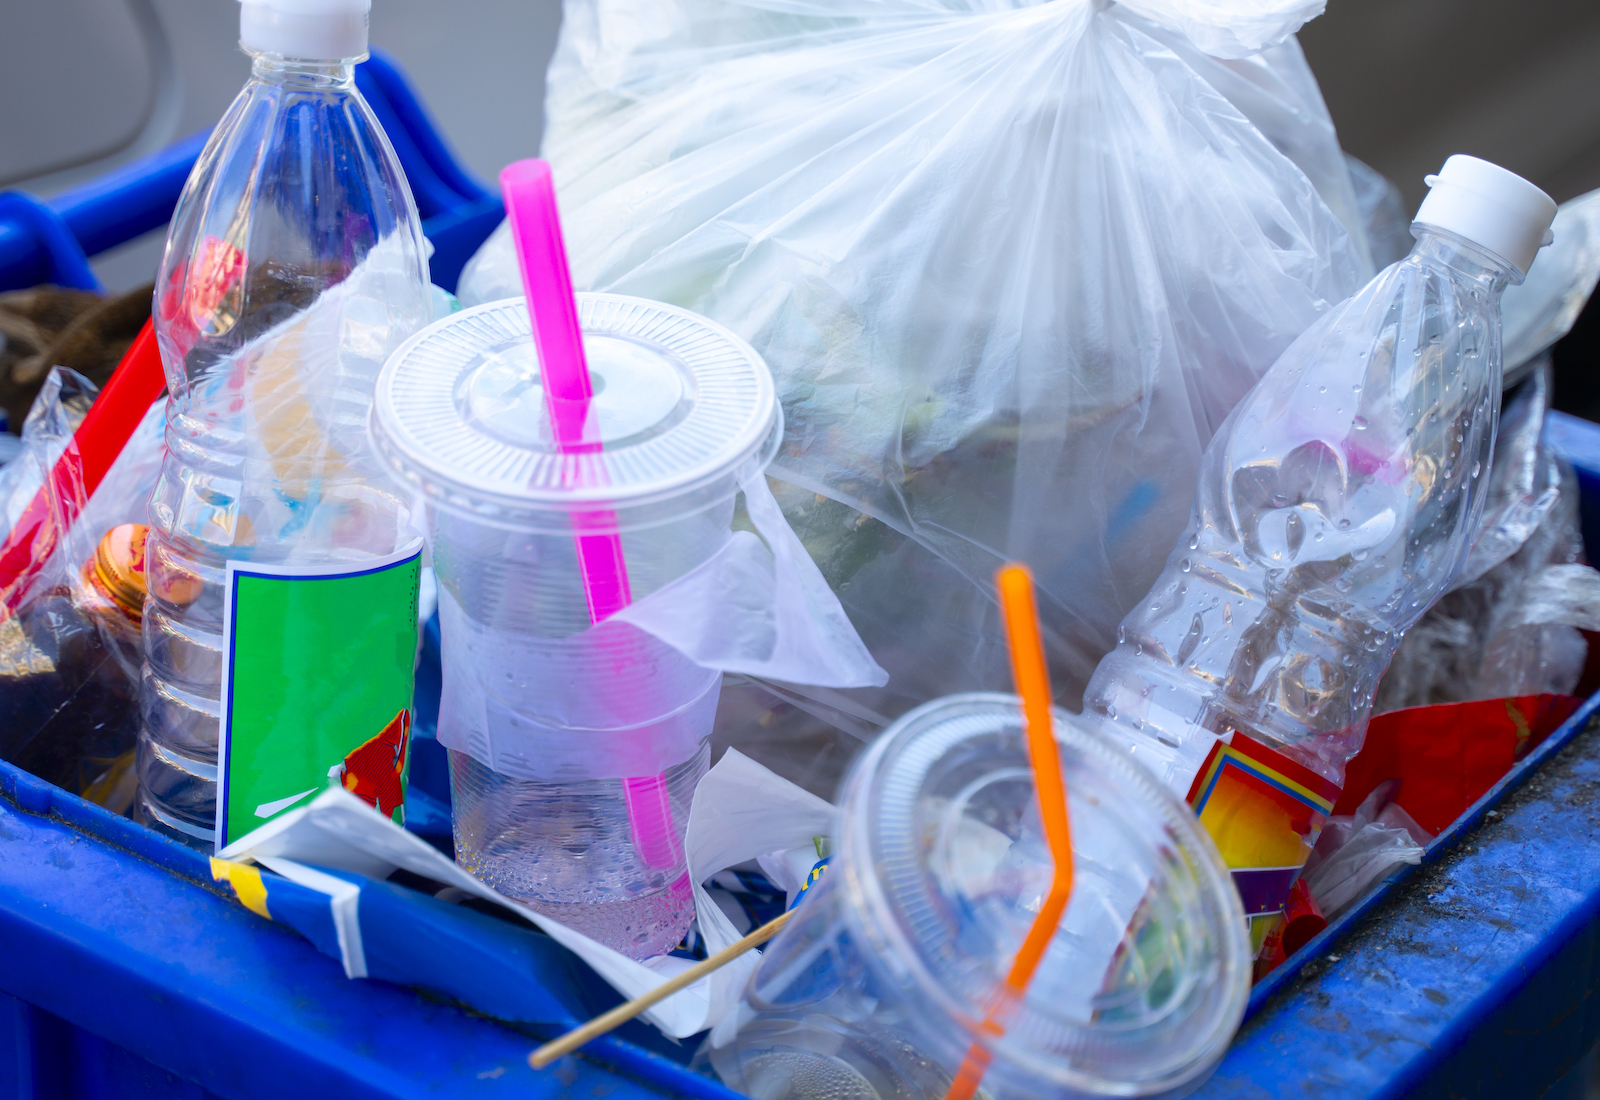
x=680, y=405
x=944, y=865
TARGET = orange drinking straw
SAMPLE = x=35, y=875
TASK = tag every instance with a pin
x=1033, y=684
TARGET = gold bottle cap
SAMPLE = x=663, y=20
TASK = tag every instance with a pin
x=117, y=568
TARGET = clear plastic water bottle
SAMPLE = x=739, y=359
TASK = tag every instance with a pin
x=294, y=265
x=1334, y=506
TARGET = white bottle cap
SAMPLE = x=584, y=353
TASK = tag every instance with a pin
x=317, y=30
x=1491, y=207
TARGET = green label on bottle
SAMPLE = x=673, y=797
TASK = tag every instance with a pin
x=316, y=687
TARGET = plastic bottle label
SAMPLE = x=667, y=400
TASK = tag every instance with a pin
x=1265, y=812
x=317, y=685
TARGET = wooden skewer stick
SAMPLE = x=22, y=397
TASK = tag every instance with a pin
x=620, y=1015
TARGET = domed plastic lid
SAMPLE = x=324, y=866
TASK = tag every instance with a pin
x=680, y=405
x=941, y=848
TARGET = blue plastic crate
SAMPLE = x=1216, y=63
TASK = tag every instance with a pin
x=50, y=241
x=126, y=972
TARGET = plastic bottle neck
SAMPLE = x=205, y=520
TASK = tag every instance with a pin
x=304, y=73
x=1465, y=260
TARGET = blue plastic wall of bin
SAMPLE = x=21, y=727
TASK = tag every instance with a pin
x=124, y=973
x=1474, y=974
x=50, y=241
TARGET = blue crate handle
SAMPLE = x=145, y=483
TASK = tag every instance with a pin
x=50, y=241
x=65, y=263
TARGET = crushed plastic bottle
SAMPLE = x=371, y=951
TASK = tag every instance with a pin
x=1334, y=506
x=294, y=265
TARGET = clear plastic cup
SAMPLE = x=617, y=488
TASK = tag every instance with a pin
x=876, y=988
x=574, y=749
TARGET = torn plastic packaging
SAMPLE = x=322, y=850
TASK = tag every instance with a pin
x=1356, y=851
x=69, y=657
x=340, y=850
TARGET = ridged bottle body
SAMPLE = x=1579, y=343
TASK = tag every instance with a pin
x=1334, y=506
x=294, y=265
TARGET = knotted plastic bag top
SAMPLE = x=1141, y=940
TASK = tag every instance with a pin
x=1010, y=266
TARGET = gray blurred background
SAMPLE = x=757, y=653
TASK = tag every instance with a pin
x=88, y=84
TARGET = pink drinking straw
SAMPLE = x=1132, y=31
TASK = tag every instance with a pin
x=530, y=197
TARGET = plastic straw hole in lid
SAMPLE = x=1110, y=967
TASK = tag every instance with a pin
x=679, y=404
x=1147, y=977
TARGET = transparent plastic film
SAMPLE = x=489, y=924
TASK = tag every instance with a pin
x=69, y=651
x=1010, y=266
x=637, y=692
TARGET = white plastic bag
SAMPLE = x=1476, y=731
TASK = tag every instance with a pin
x=1542, y=310
x=1010, y=264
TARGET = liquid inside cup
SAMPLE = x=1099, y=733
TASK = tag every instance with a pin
x=575, y=747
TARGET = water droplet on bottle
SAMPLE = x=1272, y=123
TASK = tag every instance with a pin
x=1111, y=713
x=1322, y=389
x=1477, y=468
x=1357, y=386
x=1359, y=423
x=1359, y=555
x=1344, y=525
x=1194, y=543
x=1186, y=564
x=1122, y=634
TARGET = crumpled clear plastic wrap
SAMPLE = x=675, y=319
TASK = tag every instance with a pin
x=1383, y=213
x=69, y=673
x=1510, y=625
x=1542, y=310
x=1356, y=851
x=1010, y=264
